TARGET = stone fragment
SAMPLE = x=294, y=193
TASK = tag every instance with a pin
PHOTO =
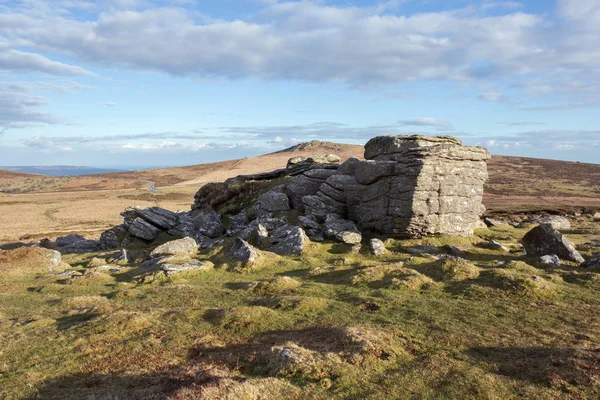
x=243, y=251
x=343, y=230
x=493, y=222
x=288, y=240
x=592, y=264
x=544, y=240
x=550, y=259
x=557, y=222
x=377, y=247
x=194, y=265
x=494, y=245
x=186, y=245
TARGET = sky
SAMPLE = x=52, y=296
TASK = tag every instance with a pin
x=132, y=83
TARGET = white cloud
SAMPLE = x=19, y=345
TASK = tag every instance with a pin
x=111, y=104
x=14, y=60
x=427, y=122
x=495, y=97
x=276, y=139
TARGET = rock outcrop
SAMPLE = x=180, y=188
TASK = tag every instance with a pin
x=408, y=186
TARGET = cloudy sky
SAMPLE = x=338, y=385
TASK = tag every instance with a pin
x=132, y=83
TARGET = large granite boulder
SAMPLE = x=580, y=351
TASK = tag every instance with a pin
x=409, y=186
x=544, y=240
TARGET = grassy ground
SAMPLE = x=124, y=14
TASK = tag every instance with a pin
x=329, y=324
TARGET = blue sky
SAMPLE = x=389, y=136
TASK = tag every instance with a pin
x=130, y=83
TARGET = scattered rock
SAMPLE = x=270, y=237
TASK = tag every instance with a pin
x=550, y=259
x=494, y=245
x=343, y=230
x=243, y=251
x=77, y=244
x=194, y=265
x=592, y=265
x=377, y=247
x=456, y=251
x=288, y=240
x=596, y=216
x=544, y=240
x=68, y=240
x=557, y=222
x=493, y=222
x=180, y=246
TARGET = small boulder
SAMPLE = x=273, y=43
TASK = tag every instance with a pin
x=68, y=240
x=557, y=222
x=194, y=265
x=186, y=245
x=544, y=240
x=550, y=259
x=243, y=251
x=493, y=222
x=377, y=247
x=494, y=245
x=343, y=230
x=592, y=265
x=288, y=240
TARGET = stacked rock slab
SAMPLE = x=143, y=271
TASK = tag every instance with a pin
x=408, y=186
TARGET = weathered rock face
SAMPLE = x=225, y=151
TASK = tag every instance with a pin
x=180, y=246
x=243, y=251
x=408, y=186
x=544, y=240
x=207, y=221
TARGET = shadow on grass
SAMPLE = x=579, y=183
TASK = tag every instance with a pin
x=157, y=385
x=543, y=365
x=71, y=321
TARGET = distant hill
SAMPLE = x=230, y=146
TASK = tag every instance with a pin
x=60, y=170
